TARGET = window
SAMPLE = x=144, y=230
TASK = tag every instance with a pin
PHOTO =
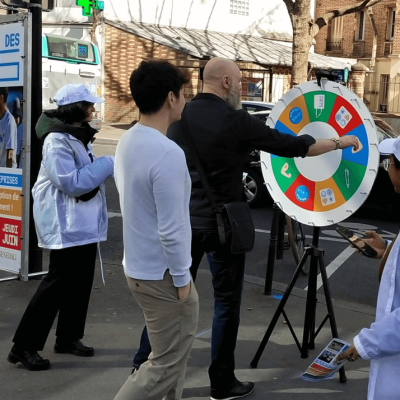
x=360, y=25
x=335, y=35
x=384, y=93
x=390, y=23
x=239, y=7
x=67, y=49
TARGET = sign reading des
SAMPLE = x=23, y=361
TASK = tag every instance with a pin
x=11, y=54
x=89, y=5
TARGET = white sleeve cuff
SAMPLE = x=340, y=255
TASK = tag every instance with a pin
x=360, y=349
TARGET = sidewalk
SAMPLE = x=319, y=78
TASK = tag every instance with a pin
x=110, y=134
x=114, y=325
x=115, y=322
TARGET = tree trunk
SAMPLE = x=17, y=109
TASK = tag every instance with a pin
x=300, y=17
x=304, y=31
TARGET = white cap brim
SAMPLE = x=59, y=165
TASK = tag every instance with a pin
x=387, y=146
x=93, y=99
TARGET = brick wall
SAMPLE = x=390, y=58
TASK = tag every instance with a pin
x=123, y=53
x=380, y=13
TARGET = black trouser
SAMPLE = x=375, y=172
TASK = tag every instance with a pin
x=64, y=290
x=227, y=277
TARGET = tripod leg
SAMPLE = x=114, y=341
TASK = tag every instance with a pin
x=331, y=312
x=273, y=239
x=309, y=320
x=278, y=311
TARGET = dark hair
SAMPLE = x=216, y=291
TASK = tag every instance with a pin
x=4, y=93
x=74, y=112
x=151, y=83
x=396, y=162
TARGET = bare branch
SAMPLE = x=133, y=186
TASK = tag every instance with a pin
x=322, y=21
x=289, y=5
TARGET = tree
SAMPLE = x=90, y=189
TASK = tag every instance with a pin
x=305, y=29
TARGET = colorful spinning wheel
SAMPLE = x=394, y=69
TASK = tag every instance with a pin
x=326, y=189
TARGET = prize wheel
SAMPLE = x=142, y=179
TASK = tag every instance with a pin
x=326, y=189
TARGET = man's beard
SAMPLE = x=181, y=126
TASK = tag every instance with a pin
x=233, y=98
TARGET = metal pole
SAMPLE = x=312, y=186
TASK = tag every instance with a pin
x=271, y=81
x=35, y=8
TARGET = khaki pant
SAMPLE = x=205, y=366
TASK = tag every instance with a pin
x=172, y=325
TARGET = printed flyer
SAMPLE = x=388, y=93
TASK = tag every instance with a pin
x=325, y=365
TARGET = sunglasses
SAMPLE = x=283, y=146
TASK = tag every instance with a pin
x=386, y=163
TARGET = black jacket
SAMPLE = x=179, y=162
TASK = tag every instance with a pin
x=222, y=137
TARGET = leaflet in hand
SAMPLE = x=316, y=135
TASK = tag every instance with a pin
x=325, y=365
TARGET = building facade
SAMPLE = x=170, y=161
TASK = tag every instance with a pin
x=372, y=36
x=255, y=34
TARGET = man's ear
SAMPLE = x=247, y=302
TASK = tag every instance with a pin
x=171, y=99
x=225, y=81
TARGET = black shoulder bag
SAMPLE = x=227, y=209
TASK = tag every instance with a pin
x=234, y=221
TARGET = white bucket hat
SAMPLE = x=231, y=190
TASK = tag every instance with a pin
x=72, y=93
x=390, y=146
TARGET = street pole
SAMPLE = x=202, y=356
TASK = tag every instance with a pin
x=35, y=8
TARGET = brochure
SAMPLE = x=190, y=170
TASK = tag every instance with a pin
x=326, y=364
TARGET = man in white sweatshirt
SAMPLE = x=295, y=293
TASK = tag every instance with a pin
x=154, y=189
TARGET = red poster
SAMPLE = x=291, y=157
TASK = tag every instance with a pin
x=10, y=233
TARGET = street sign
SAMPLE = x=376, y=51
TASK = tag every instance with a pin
x=11, y=54
x=89, y=5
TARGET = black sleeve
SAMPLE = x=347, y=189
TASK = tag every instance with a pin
x=254, y=134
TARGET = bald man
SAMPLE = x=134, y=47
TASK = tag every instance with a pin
x=223, y=133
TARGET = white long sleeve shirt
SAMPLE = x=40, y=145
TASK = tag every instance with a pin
x=154, y=190
x=381, y=342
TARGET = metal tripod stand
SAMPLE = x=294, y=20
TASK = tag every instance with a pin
x=309, y=334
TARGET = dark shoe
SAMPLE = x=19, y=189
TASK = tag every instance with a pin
x=30, y=359
x=134, y=369
x=76, y=348
x=239, y=389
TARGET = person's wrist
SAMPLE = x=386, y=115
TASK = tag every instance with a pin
x=337, y=143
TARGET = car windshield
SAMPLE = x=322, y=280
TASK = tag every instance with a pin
x=384, y=130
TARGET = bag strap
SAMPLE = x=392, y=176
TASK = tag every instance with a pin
x=193, y=151
x=384, y=258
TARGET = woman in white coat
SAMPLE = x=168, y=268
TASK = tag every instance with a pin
x=380, y=343
x=70, y=213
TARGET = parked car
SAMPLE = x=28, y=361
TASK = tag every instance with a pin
x=257, y=106
x=253, y=181
x=382, y=201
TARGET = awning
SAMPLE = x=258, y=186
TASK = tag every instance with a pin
x=207, y=44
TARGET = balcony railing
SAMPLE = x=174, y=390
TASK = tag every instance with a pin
x=358, y=49
x=388, y=48
x=335, y=45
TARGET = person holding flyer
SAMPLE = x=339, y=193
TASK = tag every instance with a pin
x=380, y=343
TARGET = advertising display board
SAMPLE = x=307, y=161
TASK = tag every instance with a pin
x=10, y=219
x=15, y=75
x=11, y=54
x=326, y=189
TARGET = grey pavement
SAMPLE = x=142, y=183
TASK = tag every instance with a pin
x=115, y=322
